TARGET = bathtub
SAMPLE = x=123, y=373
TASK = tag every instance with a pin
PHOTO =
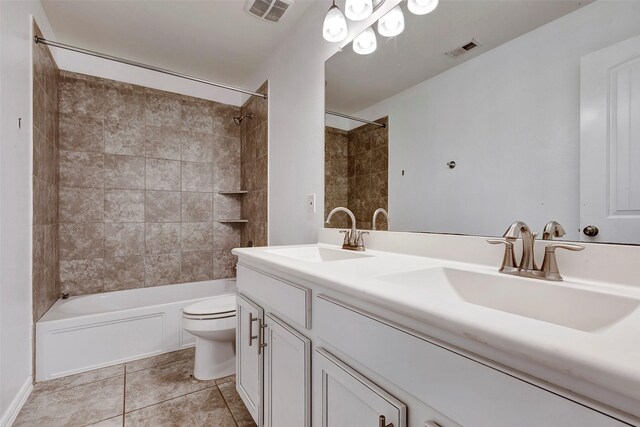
x=92, y=331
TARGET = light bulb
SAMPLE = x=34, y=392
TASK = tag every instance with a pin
x=334, y=28
x=422, y=7
x=366, y=42
x=357, y=10
x=391, y=24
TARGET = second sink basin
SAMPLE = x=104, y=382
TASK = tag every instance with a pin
x=317, y=254
x=552, y=303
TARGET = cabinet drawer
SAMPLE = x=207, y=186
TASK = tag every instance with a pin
x=289, y=300
x=464, y=390
x=345, y=398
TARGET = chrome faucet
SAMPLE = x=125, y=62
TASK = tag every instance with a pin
x=353, y=239
x=375, y=217
x=527, y=266
x=527, y=262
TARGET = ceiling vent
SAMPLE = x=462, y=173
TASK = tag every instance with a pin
x=267, y=10
x=463, y=49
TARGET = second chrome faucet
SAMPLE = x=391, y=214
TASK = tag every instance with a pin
x=527, y=266
x=353, y=239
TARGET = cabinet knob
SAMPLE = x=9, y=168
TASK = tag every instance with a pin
x=382, y=422
x=590, y=230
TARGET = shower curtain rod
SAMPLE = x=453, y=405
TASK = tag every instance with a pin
x=357, y=119
x=145, y=66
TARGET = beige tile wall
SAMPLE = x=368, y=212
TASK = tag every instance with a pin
x=365, y=169
x=45, y=283
x=254, y=135
x=140, y=172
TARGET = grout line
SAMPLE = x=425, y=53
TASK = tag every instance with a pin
x=161, y=364
x=172, y=398
x=227, y=405
x=97, y=380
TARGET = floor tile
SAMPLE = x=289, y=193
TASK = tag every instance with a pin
x=77, y=406
x=111, y=422
x=202, y=408
x=161, y=359
x=78, y=379
x=154, y=385
x=239, y=411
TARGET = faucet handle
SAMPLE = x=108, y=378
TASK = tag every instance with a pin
x=509, y=259
x=550, y=264
x=360, y=240
x=347, y=237
x=568, y=246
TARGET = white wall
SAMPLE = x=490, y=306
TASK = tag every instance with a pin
x=15, y=201
x=296, y=124
x=510, y=120
x=91, y=65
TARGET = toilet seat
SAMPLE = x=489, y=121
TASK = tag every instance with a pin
x=221, y=307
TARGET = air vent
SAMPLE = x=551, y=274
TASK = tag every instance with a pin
x=267, y=10
x=463, y=49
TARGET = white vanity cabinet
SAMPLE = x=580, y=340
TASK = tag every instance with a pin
x=273, y=360
x=368, y=371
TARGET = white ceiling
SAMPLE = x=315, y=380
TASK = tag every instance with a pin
x=215, y=40
x=355, y=82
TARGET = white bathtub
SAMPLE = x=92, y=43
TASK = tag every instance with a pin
x=92, y=331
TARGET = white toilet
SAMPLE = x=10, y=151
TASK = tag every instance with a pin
x=213, y=322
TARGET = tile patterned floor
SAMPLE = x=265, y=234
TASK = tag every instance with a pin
x=156, y=391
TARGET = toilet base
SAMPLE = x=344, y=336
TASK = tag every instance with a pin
x=214, y=359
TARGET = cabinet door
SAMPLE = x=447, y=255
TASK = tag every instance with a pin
x=249, y=355
x=344, y=398
x=287, y=376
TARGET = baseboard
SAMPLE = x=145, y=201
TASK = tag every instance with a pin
x=13, y=410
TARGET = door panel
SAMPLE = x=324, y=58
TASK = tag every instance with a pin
x=287, y=376
x=610, y=142
x=249, y=357
x=344, y=398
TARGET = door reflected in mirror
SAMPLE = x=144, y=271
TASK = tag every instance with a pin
x=496, y=111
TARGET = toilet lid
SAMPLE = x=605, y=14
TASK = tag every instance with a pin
x=217, y=305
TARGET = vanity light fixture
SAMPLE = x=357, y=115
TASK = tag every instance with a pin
x=422, y=7
x=391, y=24
x=366, y=42
x=334, y=28
x=357, y=10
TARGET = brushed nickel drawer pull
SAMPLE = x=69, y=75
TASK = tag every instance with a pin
x=251, y=336
x=261, y=341
x=431, y=424
x=382, y=422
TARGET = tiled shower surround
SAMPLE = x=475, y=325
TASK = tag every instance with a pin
x=356, y=174
x=254, y=135
x=140, y=171
x=45, y=283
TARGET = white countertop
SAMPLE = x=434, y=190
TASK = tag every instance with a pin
x=603, y=365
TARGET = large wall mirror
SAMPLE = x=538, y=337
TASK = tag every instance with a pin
x=481, y=113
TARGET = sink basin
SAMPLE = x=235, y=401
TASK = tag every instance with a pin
x=317, y=254
x=554, y=303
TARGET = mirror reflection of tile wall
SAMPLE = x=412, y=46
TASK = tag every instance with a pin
x=356, y=174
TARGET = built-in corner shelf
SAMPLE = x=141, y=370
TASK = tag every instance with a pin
x=238, y=221
x=233, y=193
